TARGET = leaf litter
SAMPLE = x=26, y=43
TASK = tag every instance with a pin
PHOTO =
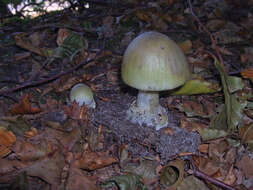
x=46, y=140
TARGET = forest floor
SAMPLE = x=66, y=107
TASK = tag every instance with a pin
x=49, y=142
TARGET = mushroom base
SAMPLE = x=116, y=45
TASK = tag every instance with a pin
x=147, y=110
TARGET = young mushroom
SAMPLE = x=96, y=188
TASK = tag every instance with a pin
x=151, y=63
x=82, y=94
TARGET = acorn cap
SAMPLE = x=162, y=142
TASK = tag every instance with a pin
x=153, y=62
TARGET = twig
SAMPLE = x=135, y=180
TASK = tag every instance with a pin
x=35, y=83
x=214, y=181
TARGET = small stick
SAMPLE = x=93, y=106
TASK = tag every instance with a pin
x=34, y=83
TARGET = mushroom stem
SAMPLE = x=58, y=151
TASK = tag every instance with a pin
x=148, y=100
x=148, y=110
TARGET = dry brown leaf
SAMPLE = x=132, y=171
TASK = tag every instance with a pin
x=49, y=169
x=31, y=133
x=23, y=42
x=65, y=83
x=27, y=151
x=78, y=180
x=246, y=165
x=9, y=169
x=7, y=139
x=230, y=178
x=207, y=166
x=144, y=16
x=95, y=160
x=74, y=111
x=192, y=124
x=62, y=34
x=248, y=74
x=203, y=148
x=24, y=106
x=186, y=45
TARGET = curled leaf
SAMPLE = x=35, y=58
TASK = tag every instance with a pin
x=24, y=106
x=7, y=139
x=125, y=182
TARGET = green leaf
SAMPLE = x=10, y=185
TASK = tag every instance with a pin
x=125, y=182
x=70, y=46
x=209, y=134
x=234, y=84
x=197, y=86
x=231, y=114
x=146, y=169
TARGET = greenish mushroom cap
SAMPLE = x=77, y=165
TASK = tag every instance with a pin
x=82, y=94
x=153, y=62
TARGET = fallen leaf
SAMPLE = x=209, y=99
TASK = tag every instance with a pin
x=74, y=111
x=48, y=169
x=203, y=148
x=231, y=114
x=230, y=178
x=95, y=160
x=246, y=165
x=78, y=180
x=209, y=134
x=26, y=151
x=23, y=42
x=146, y=169
x=125, y=182
x=246, y=134
x=247, y=74
x=7, y=139
x=9, y=169
x=62, y=34
x=196, y=86
x=186, y=46
x=192, y=183
x=24, y=106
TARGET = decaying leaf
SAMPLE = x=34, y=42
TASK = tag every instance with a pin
x=7, y=138
x=78, y=180
x=74, y=111
x=246, y=134
x=9, y=169
x=146, y=169
x=248, y=74
x=125, y=182
x=194, y=108
x=62, y=34
x=95, y=160
x=71, y=45
x=246, y=165
x=27, y=151
x=192, y=183
x=208, y=134
x=48, y=168
x=23, y=42
x=231, y=113
x=24, y=106
x=185, y=46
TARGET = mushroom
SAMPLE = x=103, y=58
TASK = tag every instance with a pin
x=82, y=94
x=151, y=63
